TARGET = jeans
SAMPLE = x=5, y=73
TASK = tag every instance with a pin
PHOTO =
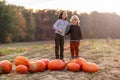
x=59, y=46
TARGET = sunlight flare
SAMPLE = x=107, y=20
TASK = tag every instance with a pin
x=72, y=5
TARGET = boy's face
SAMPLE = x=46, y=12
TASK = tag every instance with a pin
x=64, y=15
x=74, y=22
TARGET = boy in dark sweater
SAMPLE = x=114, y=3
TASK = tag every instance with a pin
x=75, y=36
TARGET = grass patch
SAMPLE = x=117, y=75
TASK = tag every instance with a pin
x=8, y=50
x=98, y=51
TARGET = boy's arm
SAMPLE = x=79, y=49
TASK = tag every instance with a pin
x=67, y=32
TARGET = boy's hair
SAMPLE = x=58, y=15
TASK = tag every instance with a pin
x=75, y=17
x=60, y=15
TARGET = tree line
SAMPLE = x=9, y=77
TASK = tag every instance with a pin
x=18, y=24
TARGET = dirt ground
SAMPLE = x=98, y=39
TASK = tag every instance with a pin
x=104, y=52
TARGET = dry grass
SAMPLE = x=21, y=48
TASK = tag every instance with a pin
x=104, y=52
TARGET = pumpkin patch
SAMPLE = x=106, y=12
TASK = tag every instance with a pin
x=105, y=55
x=23, y=65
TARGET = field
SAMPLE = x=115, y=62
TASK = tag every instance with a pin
x=104, y=52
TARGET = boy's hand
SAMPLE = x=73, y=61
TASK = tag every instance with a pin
x=60, y=30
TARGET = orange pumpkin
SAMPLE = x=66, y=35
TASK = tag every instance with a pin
x=36, y=66
x=90, y=67
x=46, y=61
x=56, y=64
x=73, y=67
x=72, y=61
x=5, y=66
x=21, y=60
x=80, y=61
x=21, y=69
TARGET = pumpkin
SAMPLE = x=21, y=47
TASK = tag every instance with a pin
x=90, y=67
x=21, y=60
x=46, y=61
x=56, y=64
x=21, y=69
x=36, y=66
x=80, y=61
x=5, y=66
x=73, y=67
x=72, y=61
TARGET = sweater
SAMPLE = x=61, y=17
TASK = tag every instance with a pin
x=61, y=24
x=75, y=33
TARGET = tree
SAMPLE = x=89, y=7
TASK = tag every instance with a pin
x=30, y=24
x=7, y=23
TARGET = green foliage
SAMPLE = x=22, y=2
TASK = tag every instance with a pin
x=7, y=23
x=18, y=24
x=30, y=25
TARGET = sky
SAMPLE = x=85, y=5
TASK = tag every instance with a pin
x=111, y=6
